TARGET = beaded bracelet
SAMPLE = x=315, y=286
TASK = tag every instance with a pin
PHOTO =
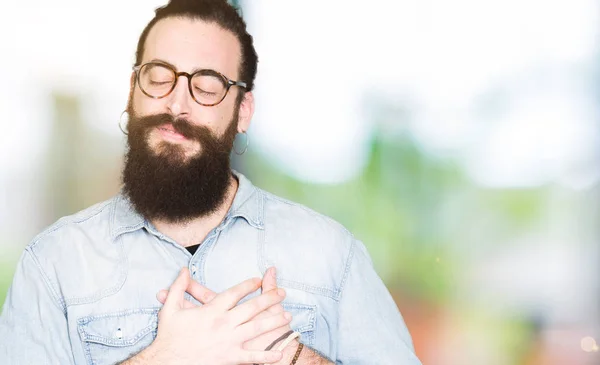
x=300, y=347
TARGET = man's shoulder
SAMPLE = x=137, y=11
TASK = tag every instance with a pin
x=75, y=255
x=286, y=214
x=91, y=220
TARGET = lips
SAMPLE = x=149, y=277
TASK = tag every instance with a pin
x=167, y=129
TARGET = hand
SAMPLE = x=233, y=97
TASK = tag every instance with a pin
x=269, y=283
x=216, y=332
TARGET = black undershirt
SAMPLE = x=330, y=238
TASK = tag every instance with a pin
x=192, y=249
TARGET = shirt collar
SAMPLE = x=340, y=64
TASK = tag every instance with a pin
x=247, y=204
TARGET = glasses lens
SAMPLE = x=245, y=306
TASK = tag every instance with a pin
x=156, y=80
x=208, y=89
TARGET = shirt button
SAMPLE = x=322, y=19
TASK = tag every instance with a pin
x=194, y=269
x=119, y=334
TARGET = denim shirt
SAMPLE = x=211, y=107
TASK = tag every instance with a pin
x=84, y=291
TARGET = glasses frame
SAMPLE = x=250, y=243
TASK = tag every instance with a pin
x=227, y=82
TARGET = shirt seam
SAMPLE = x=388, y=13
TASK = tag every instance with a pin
x=60, y=303
x=347, y=269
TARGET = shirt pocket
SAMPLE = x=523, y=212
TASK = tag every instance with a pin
x=113, y=337
x=304, y=318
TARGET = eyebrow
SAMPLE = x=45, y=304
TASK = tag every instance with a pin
x=175, y=68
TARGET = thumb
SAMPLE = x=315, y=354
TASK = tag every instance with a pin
x=270, y=283
x=161, y=296
x=269, y=280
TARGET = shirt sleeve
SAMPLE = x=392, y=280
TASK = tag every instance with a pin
x=371, y=329
x=33, y=325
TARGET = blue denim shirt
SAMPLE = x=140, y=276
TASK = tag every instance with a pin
x=84, y=291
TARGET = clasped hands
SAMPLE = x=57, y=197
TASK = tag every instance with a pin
x=221, y=331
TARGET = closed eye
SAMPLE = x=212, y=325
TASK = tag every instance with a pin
x=203, y=92
x=159, y=83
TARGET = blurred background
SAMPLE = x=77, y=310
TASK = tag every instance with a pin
x=459, y=140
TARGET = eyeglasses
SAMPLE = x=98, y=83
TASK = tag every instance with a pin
x=207, y=87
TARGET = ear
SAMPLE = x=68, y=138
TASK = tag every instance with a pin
x=131, y=88
x=246, y=112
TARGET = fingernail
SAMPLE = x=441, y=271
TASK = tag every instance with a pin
x=281, y=292
x=273, y=271
x=287, y=315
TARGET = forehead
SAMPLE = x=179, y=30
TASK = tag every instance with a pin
x=190, y=44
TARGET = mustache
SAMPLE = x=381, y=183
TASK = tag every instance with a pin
x=180, y=125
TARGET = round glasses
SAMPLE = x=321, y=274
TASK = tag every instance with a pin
x=207, y=87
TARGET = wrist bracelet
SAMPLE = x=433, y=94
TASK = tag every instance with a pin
x=300, y=347
x=284, y=336
x=287, y=341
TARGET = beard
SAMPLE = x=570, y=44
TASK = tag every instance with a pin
x=168, y=185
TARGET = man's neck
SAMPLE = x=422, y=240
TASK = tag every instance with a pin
x=195, y=231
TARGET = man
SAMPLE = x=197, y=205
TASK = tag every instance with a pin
x=91, y=288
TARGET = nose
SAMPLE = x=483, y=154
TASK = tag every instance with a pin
x=179, y=102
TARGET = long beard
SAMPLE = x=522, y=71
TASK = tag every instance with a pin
x=167, y=185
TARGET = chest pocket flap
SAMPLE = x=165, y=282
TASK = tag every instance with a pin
x=304, y=317
x=113, y=337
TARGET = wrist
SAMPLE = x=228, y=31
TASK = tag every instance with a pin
x=146, y=356
x=155, y=354
x=306, y=356
x=289, y=352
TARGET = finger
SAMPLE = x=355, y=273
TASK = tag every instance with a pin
x=257, y=327
x=259, y=357
x=270, y=283
x=276, y=308
x=175, y=300
x=200, y=292
x=249, y=309
x=229, y=298
x=269, y=279
x=162, y=296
